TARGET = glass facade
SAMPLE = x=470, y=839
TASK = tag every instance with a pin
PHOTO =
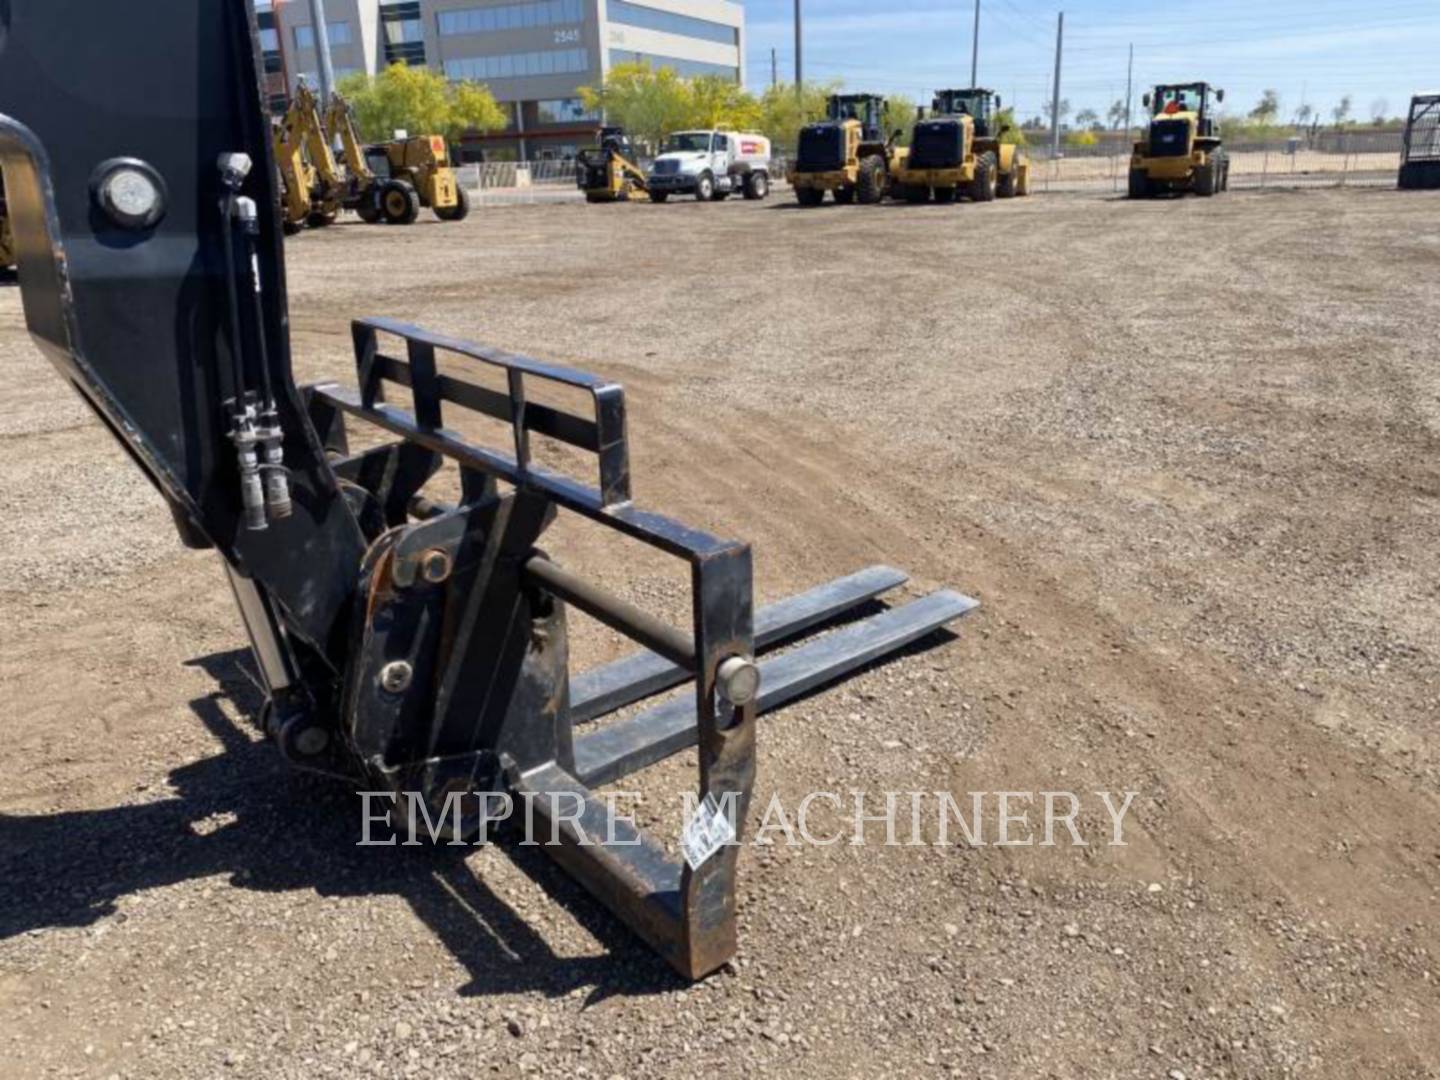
x=518, y=65
x=339, y=34
x=563, y=111
x=686, y=68
x=647, y=18
x=404, y=34
x=510, y=17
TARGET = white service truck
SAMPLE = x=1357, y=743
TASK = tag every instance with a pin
x=711, y=165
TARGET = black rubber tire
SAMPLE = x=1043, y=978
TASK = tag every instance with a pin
x=320, y=219
x=1207, y=179
x=399, y=203
x=1005, y=187
x=844, y=195
x=1139, y=184
x=982, y=188
x=459, y=212
x=757, y=185
x=917, y=196
x=659, y=196
x=944, y=195
x=870, y=180
x=291, y=228
x=809, y=196
x=704, y=188
x=368, y=213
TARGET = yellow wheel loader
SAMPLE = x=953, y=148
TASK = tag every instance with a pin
x=847, y=153
x=607, y=173
x=1181, y=150
x=391, y=181
x=956, y=152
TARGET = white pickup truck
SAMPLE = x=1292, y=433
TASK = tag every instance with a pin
x=711, y=165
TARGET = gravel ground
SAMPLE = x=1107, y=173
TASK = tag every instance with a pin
x=1184, y=452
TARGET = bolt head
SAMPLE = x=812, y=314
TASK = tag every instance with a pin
x=395, y=676
x=738, y=680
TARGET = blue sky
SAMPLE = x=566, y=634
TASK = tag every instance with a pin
x=1321, y=49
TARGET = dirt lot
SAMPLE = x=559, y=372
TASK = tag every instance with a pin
x=1198, y=497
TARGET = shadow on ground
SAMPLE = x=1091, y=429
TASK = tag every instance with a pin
x=281, y=830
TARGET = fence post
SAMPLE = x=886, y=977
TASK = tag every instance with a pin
x=1265, y=170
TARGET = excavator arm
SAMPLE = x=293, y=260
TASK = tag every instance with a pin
x=406, y=644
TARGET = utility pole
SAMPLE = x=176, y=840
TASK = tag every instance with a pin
x=774, y=69
x=799, y=56
x=1055, y=101
x=321, y=30
x=975, y=50
x=1129, y=90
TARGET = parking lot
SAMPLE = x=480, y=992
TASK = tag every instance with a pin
x=1183, y=451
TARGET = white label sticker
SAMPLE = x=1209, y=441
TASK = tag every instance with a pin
x=706, y=833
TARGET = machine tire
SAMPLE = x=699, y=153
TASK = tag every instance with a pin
x=982, y=188
x=917, y=196
x=459, y=212
x=844, y=195
x=1207, y=179
x=1139, y=184
x=1007, y=186
x=704, y=188
x=757, y=185
x=399, y=203
x=368, y=213
x=659, y=196
x=944, y=195
x=291, y=228
x=1022, y=185
x=809, y=196
x=870, y=180
x=322, y=219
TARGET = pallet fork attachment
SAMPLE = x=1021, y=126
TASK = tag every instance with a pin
x=405, y=644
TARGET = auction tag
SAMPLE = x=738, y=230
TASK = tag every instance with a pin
x=705, y=833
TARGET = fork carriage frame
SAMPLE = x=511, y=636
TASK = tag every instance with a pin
x=402, y=642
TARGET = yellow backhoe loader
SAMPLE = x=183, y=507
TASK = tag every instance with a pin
x=956, y=151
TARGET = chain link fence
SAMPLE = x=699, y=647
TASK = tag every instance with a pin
x=1332, y=159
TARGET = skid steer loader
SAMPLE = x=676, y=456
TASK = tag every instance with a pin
x=608, y=173
x=1181, y=150
x=956, y=151
x=847, y=153
x=1420, y=151
x=404, y=644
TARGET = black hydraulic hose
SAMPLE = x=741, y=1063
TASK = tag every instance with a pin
x=237, y=355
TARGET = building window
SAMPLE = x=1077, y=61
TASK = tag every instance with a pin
x=270, y=40
x=648, y=18
x=312, y=78
x=563, y=111
x=510, y=17
x=688, y=69
x=519, y=65
x=338, y=33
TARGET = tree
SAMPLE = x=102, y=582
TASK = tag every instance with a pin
x=1379, y=108
x=1341, y=111
x=1088, y=118
x=718, y=102
x=420, y=101
x=1303, y=115
x=1268, y=107
x=783, y=112
x=1050, y=111
x=1116, y=114
x=649, y=104
x=1013, y=133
